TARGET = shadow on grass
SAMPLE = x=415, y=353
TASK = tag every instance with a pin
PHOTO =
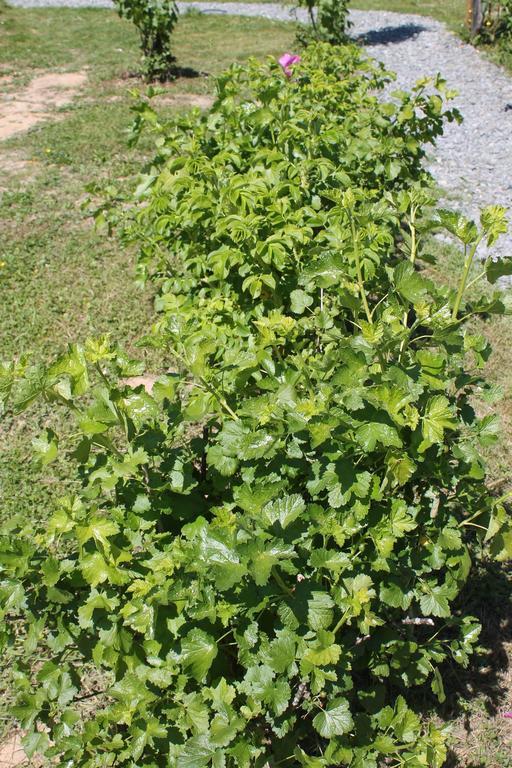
x=390, y=35
x=175, y=73
x=488, y=597
x=477, y=695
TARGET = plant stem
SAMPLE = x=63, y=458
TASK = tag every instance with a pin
x=341, y=621
x=468, y=260
x=412, y=230
x=281, y=583
x=211, y=389
x=412, y=259
x=360, y=281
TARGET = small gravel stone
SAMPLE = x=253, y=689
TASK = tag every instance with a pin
x=472, y=163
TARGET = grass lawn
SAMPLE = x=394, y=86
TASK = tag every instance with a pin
x=60, y=281
x=451, y=12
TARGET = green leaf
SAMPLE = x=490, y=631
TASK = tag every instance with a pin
x=95, y=569
x=299, y=301
x=51, y=571
x=198, y=650
x=35, y=742
x=499, y=268
x=435, y=603
x=320, y=610
x=494, y=222
x=99, y=529
x=464, y=229
x=368, y=435
x=259, y=683
x=437, y=417
x=281, y=652
x=437, y=686
x=322, y=656
x=284, y=510
x=334, y=720
x=46, y=447
x=196, y=753
x=325, y=271
x=409, y=283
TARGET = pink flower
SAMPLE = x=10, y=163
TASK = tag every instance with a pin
x=507, y=714
x=287, y=61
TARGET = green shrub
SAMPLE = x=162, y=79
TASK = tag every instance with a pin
x=267, y=550
x=328, y=21
x=271, y=143
x=155, y=21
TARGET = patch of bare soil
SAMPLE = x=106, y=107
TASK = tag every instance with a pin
x=11, y=752
x=5, y=82
x=147, y=382
x=45, y=93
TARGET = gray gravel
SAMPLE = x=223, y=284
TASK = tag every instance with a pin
x=472, y=162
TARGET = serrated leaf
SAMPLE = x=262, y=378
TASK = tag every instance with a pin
x=198, y=650
x=435, y=603
x=196, y=753
x=368, y=435
x=464, y=229
x=51, y=571
x=436, y=419
x=46, y=447
x=499, y=268
x=94, y=568
x=99, y=529
x=334, y=720
x=35, y=742
x=300, y=300
x=409, y=283
x=284, y=510
x=322, y=657
x=320, y=610
x=281, y=651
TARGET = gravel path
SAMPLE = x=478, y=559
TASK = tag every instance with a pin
x=472, y=162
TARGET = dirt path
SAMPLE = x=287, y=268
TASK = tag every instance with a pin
x=46, y=92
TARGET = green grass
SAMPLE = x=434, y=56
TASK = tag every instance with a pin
x=61, y=281
x=450, y=12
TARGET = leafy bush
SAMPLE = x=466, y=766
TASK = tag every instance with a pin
x=328, y=19
x=267, y=550
x=217, y=177
x=155, y=21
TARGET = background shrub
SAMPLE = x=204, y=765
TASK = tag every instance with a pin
x=329, y=21
x=155, y=21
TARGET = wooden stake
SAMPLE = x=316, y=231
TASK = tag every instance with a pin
x=474, y=16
